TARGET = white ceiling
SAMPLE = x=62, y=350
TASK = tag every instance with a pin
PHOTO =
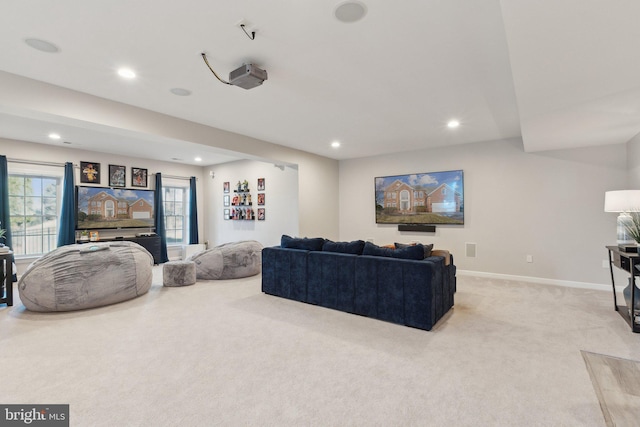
x=559, y=73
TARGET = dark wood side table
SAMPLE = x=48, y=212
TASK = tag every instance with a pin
x=626, y=261
x=6, y=266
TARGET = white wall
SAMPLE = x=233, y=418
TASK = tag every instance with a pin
x=48, y=153
x=548, y=205
x=633, y=164
x=318, y=176
x=281, y=202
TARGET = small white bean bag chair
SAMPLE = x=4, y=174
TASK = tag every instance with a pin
x=229, y=261
x=75, y=277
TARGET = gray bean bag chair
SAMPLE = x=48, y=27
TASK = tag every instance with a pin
x=229, y=261
x=75, y=277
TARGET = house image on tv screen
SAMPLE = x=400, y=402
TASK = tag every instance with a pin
x=114, y=208
x=406, y=199
x=430, y=198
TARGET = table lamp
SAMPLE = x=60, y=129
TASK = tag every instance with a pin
x=623, y=201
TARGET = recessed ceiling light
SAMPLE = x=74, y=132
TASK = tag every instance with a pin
x=335, y=144
x=350, y=11
x=180, y=91
x=198, y=159
x=127, y=73
x=42, y=45
x=54, y=136
x=453, y=124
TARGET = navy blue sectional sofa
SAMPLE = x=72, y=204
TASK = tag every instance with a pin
x=412, y=292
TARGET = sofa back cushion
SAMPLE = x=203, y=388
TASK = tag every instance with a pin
x=415, y=252
x=312, y=244
x=427, y=248
x=354, y=247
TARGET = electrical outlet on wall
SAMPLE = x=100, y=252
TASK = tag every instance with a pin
x=529, y=258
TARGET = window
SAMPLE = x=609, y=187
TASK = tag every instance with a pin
x=34, y=211
x=176, y=206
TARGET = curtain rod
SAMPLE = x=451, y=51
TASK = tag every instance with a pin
x=32, y=162
x=186, y=178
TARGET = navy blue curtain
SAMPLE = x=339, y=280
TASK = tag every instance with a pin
x=5, y=219
x=159, y=219
x=193, y=212
x=67, y=233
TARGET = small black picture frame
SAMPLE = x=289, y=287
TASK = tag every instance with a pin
x=261, y=214
x=225, y=200
x=261, y=197
x=226, y=186
x=117, y=176
x=89, y=173
x=139, y=177
x=260, y=184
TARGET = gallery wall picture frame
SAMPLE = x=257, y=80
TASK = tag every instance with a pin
x=261, y=214
x=226, y=200
x=117, y=176
x=139, y=177
x=226, y=214
x=261, y=184
x=226, y=186
x=89, y=173
x=260, y=199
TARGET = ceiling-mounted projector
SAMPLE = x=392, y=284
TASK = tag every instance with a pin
x=247, y=76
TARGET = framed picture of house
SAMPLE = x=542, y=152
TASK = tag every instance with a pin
x=117, y=176
x=89, y=173
x=260, y=184
x=139, y=177
x=431, y=198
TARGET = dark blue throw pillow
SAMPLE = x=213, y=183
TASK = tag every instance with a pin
x=354, y=247
x=427, y=248
x=415, y=252
x=313, y=244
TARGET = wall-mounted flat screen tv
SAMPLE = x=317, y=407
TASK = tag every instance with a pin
x=431, y=198
x=103, y=207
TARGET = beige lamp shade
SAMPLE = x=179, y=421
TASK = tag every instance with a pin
x=622, y=201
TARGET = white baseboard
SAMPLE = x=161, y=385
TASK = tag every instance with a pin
x=540, y=280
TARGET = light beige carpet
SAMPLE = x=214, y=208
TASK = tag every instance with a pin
x=223, y=353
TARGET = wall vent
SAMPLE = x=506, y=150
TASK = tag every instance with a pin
x=470, y=250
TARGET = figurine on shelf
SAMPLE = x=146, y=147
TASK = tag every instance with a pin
x=239, y=186
x=245, y=185
x=235, y=200
x=249, y=199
